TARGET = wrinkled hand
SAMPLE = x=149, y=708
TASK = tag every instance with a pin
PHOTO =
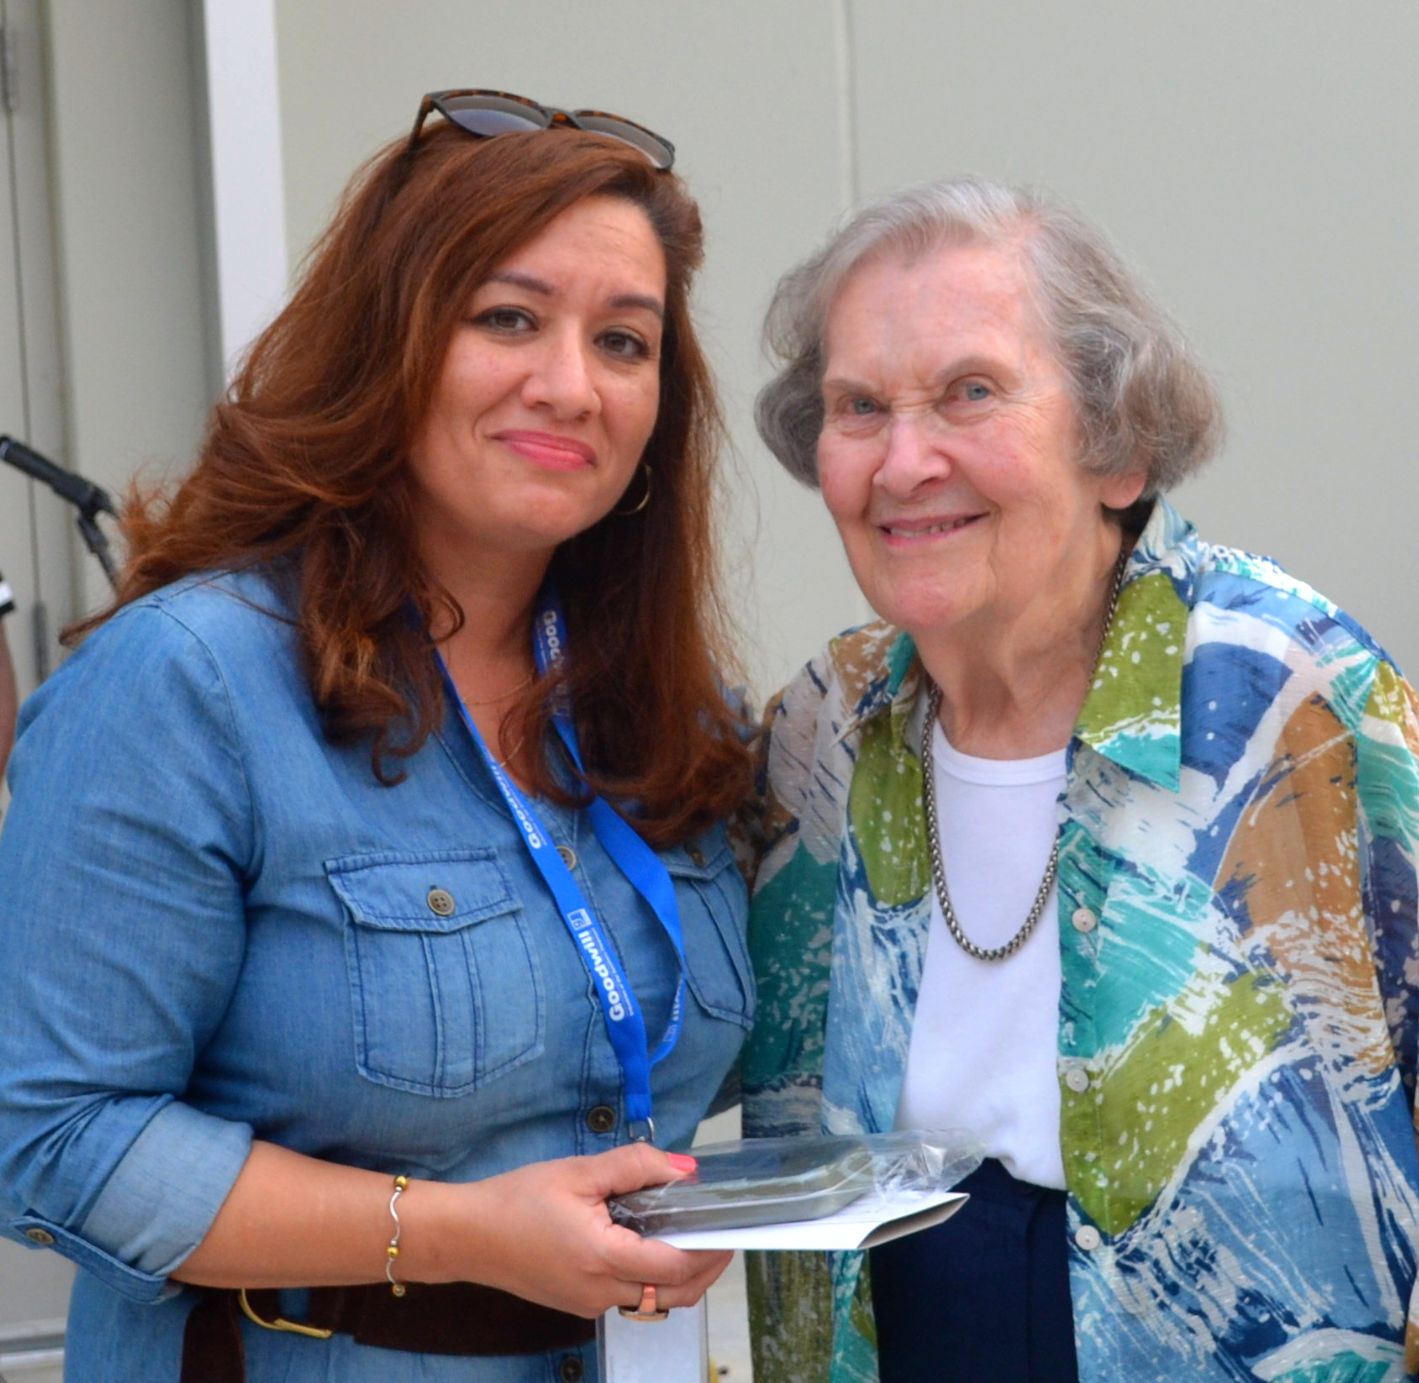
x=545, y=1234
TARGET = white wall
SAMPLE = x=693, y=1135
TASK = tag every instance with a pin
x=1254, y=159
x=34, y=542
x=243, y=170
x=126, y=164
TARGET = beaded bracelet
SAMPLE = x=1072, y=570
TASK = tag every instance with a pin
x=392, y=1252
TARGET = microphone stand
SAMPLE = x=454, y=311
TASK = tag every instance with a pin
x=89, y=499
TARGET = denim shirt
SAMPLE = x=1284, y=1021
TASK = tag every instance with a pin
x=218, y=926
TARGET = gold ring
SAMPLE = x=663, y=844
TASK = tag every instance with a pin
x=646, y=1310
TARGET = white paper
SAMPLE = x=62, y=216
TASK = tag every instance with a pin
x=873, y=1219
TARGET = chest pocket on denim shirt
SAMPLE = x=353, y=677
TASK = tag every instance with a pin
x=446, y=990
x=713, y=913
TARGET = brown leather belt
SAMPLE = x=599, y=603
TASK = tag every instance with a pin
x=441, y=1318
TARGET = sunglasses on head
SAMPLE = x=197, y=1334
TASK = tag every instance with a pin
x=487, y=114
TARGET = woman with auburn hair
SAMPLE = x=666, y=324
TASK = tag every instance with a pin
x=367, y=858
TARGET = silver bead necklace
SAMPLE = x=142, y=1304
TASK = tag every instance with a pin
x=933, y=834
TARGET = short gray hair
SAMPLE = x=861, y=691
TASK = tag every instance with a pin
x=1140, y=395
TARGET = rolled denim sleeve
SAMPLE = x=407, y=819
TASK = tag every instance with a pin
x=123, y=865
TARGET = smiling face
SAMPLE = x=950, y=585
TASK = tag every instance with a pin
x=548, y=392
x=948, y=451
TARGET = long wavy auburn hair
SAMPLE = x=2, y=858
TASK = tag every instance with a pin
x=304, y=469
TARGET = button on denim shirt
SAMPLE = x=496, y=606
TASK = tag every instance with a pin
x=218, y=926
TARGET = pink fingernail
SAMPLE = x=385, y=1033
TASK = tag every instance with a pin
x=682, y=1162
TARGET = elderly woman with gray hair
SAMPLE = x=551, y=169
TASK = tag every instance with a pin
x=1101, y=844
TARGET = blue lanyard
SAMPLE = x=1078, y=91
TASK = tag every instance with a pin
x=625, y=1025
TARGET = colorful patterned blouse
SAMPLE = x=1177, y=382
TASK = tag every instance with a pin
x=1237, y=893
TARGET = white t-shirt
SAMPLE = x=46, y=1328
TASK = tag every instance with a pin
x=985, y=1036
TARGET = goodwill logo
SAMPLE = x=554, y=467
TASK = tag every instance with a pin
x=583, y=929
x=551, y=637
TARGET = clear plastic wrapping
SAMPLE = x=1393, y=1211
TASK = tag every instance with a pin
x=763, y=1181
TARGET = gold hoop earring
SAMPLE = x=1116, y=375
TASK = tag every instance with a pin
x=645, y=498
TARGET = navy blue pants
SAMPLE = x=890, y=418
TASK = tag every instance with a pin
x=982, y=1298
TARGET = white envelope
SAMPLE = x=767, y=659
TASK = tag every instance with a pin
x=873, y=1219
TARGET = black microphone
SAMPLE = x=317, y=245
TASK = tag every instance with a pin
x=91, y=499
